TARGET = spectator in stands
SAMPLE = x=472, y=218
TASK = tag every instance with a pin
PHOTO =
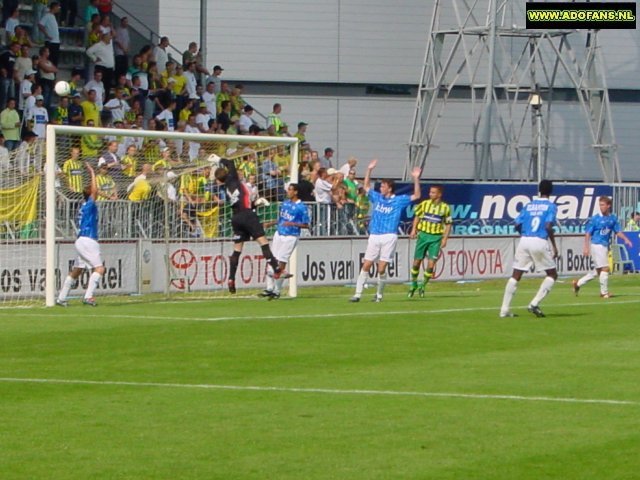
x=25, y=88
x=146, y=56
x=216, y=73
x=129, y=161
x=27, y=159
x=224, y=94
x=107, y=189
x=104, y=7
x=202, y=118
x=38, y=116
x=92, y=31
x=121, y=44
x=224, y=117
x=48, y=72
x=271, y=181
x=209, y=97
x=245, y=121
x=191, y=85
x=237, y=103
x=23, y=64
x=68, y=12
x=273, y=120
x=105, y=26
x=10, y=124
x=98, y=87
x=7, y=75
x=12, y=22
x=61, y=113
x=326, y=161
x=305, y=192
x=160, y=54
x=167, y=116
x=91, y=109
x=21, y=37
x=192, y=54
x=301, y=136
x=5, y=162
x=323, y=186
x=73, y=170
x=48, y=25
x=633, y=225
x=37, y=12
x=110, y=158
x=90, y=144
x=102, y=55
x=76, y=115
x=140, y=189
x=348, y=167
x=118, y=106
x=90, y=10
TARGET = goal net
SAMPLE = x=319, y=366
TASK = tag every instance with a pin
x=164, y=223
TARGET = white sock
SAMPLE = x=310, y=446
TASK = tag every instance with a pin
x=94, y=280
x=587, y=278
x=604, y=283
x=543, y=291
x=271, y=283
x=382, y=277
x=278, y=287
x=509, y=292
x=362, y=278
x=66, y=286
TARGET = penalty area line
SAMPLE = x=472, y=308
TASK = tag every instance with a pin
x=323, y=391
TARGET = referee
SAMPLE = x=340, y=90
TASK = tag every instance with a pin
x=431, y=225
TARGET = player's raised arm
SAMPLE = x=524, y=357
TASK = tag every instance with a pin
x=230, y=166
x=367, y=176
x=93, y=186
x=415, y=173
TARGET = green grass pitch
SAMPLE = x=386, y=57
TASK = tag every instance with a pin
x=319, y=388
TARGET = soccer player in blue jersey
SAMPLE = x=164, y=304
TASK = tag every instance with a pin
x=386, y=209
x=86, y=245
x=535, y=223
x=293, y=217
x=598, y=235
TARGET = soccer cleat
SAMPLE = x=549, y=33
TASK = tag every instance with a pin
x=376, y=299
x=354, y=299
x=274, y=296
x=606, y=295
x=90, y=301
x=277, y=273
x=265, y=293
x=231, y=284
x=535, y=309
x=507, y=315
x=411, y=291
x=421, y=292
x=285, y=275
x=576, y=288
x=62, y=303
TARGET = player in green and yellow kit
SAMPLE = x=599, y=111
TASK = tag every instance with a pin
x=431, y=226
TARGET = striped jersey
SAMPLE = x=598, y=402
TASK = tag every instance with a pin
x=74, y=169
x=106, y=186
x=386, y=212
x=432, y=217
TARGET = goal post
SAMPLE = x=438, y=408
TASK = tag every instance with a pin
x=196, y=221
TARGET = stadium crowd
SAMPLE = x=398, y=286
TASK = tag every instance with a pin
x=149, y=90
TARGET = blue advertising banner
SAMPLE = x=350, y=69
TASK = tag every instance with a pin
x=489, y=208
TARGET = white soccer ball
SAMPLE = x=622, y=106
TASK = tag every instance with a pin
x=62, y=88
